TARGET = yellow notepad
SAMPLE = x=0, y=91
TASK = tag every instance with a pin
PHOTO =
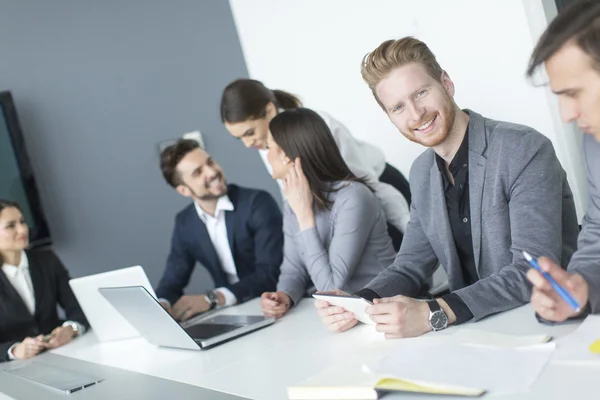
x=347, y=382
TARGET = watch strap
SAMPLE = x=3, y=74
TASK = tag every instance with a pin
x=212, y=299
x=78, y=329
x=433, y=305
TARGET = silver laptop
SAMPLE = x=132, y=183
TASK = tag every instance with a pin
x=106, y=322
x=157, y=326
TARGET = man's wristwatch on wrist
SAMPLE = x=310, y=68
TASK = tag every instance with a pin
x=212, y=299
x=74, y=326
x=438, y=319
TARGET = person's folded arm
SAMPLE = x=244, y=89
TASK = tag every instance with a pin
x=66, y=297
x=354, y=212
x=535, y=207
x=586, y=260
x=293, y=278
x=266, y=225
x=5, y=347
x=178, y=271
x=415, y=263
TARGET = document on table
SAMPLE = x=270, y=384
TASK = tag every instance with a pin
x=575, y=347
x=346, y=379
x=493, y=339
x=496, y=369
x=362, y=375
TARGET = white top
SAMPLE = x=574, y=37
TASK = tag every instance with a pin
x=366, y=160
x=20, y=277
x=217, y=231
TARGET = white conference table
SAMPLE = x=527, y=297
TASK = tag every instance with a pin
x=263, y=364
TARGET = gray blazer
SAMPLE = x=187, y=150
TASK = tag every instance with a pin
x=348, y=247
x=586, y=260
x=520, y=200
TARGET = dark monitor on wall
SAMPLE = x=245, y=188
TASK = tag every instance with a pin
x=17, y=181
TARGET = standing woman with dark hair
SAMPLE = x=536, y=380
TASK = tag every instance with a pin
x=32, y=283
x=247, y=108
x=334, y=227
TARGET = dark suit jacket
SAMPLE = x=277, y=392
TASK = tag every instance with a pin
x=50, y=282
x=255, y=234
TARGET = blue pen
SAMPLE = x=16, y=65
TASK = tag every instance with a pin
x=566, y=296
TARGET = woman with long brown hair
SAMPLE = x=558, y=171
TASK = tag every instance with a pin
x=335, y=234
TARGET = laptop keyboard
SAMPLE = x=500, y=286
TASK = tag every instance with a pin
x=208, y=331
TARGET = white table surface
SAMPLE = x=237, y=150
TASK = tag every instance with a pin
x=263, y=364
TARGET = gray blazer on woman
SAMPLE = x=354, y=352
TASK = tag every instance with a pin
x=348, y=247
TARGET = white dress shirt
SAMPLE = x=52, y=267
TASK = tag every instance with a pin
x=364, y=160
x=20, y=277
x=217, y=231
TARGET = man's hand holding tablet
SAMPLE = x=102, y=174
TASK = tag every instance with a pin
x=341, y=311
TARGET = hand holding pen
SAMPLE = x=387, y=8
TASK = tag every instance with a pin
x=557, y=295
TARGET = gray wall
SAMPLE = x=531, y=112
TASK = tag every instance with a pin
x=97, y=85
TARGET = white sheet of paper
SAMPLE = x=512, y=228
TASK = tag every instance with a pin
x=574, y=348
x=495, y=369
x=493, y=339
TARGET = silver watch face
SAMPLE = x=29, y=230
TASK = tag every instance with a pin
x=438, y=320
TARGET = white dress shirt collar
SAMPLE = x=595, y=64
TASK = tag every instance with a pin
x=20, y=277
x=11, y=270
x=216, y=227
x=223, y=204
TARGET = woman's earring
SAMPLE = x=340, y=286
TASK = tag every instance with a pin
x=284, y=161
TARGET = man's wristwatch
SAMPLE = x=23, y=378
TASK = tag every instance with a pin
x=74, y=326
x=438, y=319
x=212, y=299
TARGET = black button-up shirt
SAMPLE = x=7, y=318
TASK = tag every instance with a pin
x=458, y=206
x=459, y=216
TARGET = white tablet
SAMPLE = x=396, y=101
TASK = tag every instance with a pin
x=354, y=304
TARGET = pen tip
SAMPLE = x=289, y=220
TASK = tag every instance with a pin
x=527, y=255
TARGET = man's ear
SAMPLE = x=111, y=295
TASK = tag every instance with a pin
x=184, y=190
x=447, y=83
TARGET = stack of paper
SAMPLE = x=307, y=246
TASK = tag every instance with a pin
x=346, y=380
x=493, y=339
x=575, y=347
x=492, y=369
x=468, y=363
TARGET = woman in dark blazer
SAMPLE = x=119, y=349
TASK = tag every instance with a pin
x=32, y=283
